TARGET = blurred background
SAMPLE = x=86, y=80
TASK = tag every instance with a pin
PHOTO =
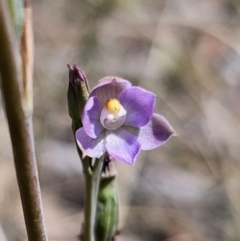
x=188, y=53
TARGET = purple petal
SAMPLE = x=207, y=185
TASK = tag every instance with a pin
x=89, y=146
x=122, y=145
x=139, y=104
x=109, y=88
x=91, y=117
x=155, y=133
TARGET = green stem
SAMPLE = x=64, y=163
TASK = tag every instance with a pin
x=91, y=191
x=92, y=180
x=21, y=132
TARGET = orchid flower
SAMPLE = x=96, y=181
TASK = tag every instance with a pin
x=119, y=119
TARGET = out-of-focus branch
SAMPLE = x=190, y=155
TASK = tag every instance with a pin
x=20, y=127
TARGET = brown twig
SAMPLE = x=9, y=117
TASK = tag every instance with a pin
x=20, y=127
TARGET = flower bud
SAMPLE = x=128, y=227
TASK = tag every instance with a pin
x=78, y=92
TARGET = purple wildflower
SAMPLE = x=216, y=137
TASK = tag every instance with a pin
x=118, y=118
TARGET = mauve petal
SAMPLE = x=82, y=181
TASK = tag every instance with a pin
x=139, y=104
x=89, y=146
x=122, y=146
x=109, y=88
x=155, y=133
x=91, y=117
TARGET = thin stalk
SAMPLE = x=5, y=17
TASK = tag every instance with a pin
x=91, y=192
x=21, y=133
x=92, y=180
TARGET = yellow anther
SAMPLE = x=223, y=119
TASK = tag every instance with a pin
x=113, y=105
